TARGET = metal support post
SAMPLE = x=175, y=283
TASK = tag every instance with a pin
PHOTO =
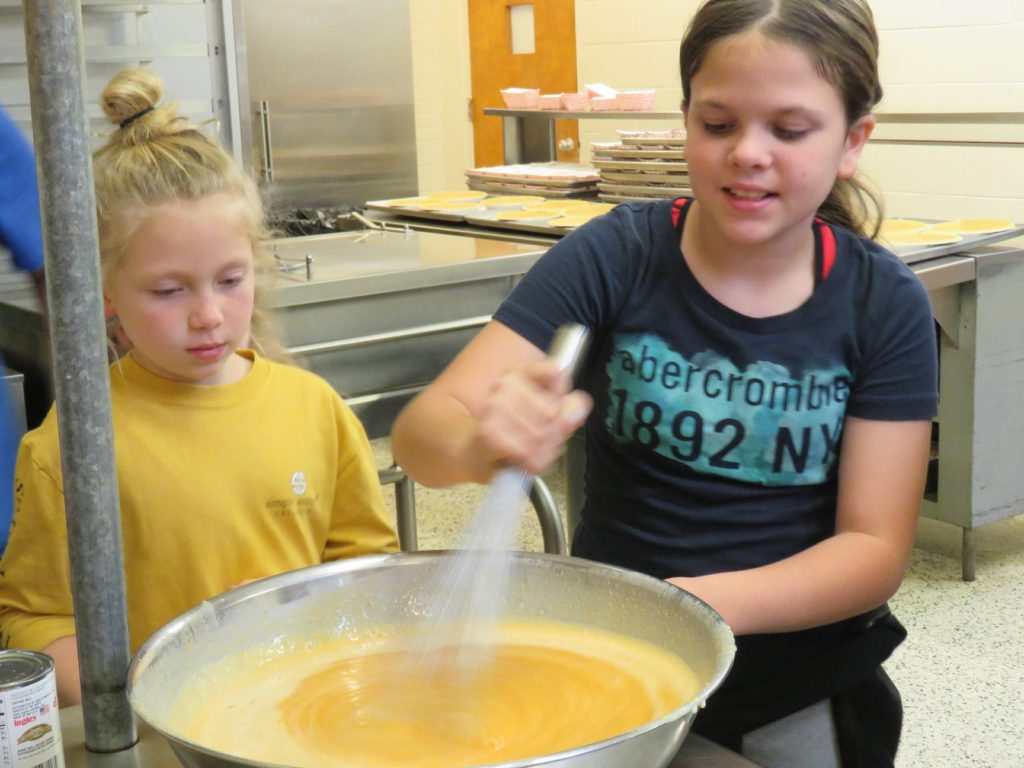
x=969, y=555
x=53, y=36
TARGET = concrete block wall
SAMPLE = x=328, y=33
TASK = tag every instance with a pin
x=441, y=81
x=945, y=57
x=936, y=58
x=952, y=58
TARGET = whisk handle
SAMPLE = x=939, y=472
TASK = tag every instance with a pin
x=568, y=346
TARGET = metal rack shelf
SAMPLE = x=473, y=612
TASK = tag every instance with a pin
x=521, y=145
x=22, y=113
x=162, y=34
x=106, y=5
x=561, y=114
x=104, y=54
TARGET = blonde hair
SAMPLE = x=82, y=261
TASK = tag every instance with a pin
x=156, y=156
x=840, y=38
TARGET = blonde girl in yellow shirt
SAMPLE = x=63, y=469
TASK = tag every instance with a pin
x=230, y=466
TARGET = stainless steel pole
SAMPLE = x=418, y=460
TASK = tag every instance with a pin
x=56, y=69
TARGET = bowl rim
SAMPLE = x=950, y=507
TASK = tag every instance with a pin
x=684, y=713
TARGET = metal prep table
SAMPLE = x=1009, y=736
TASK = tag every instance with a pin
x=975, y=298
x=381, y=313
x=981, y=386
x=152, y=750
x=974, y=288
x=377, y=313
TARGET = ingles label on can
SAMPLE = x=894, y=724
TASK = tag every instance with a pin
x=29, y=718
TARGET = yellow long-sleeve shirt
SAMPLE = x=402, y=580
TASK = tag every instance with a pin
x=218, y=484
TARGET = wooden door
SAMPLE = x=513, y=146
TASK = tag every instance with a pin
x=493, y=66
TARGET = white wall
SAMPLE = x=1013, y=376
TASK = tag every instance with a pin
x=952, y=57
x=441, y=81
x=630, y=48
x=937, y=57
x=961, y=57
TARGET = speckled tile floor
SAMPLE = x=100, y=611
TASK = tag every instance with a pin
x=961, y=669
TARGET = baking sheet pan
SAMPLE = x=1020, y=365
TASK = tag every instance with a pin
x=485, y=220
x=382, y=205
x=907, y=254
x=912, y=254
x=533, y=181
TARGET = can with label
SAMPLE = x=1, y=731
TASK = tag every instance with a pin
x=29, y=718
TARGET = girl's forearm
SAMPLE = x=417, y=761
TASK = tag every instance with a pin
x=843, y=576
x=64, y=653
x=433, y=441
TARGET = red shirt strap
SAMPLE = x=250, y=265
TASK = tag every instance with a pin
x=677, y=210
x=827, y=252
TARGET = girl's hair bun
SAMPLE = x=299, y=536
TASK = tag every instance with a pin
x=131, y=96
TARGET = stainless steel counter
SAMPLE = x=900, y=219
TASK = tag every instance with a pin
x=379, y=315
x=152, y=750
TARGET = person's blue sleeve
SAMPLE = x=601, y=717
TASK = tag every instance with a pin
x=20, y=227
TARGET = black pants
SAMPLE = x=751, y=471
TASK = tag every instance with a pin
x=771, y=680
x=869, y=718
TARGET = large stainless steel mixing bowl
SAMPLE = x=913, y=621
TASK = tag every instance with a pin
x=361, y=594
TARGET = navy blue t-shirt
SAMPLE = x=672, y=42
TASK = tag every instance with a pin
x=714, y=441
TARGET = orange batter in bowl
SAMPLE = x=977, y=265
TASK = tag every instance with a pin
x=543, y=687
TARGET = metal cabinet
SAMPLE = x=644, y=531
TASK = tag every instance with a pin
x=15, y=383
x=183, y=40
x=326, y=115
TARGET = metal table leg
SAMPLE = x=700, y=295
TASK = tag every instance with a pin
x=551, y=527
x=405, y=505
x=969, y=554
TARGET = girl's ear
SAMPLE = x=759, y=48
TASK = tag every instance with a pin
x=109, y=310
x=856, y=139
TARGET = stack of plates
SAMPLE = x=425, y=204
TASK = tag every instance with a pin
x=542, y=179
x=642, y=165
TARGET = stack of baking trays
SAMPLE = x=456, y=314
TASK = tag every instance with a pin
x=642, y=165
x=525, y=213
x=554, y=179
